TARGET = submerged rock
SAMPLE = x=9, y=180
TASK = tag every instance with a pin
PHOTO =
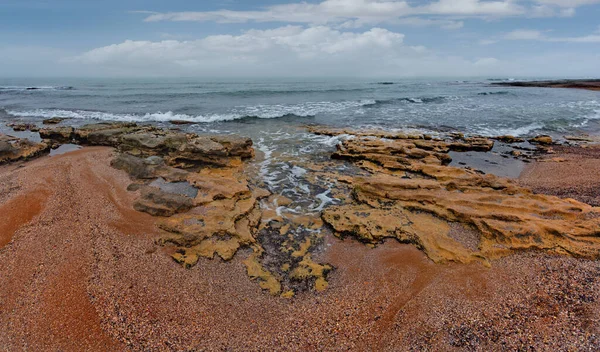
x=21, y=127
x=54, y=120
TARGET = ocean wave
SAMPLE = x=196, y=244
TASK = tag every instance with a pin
x=511, y=131
x=423, y=100
x=253, y=112
x=33, y=88
x=595, y=115
x=149, y=117
x=503, y=92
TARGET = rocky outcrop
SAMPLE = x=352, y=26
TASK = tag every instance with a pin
x=415, y=197
x=14, y=149
x=509, y=139
x=542, y=140
x=21, y=127
x=178, y=149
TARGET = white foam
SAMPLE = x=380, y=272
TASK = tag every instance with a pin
x=105, y=116
x=258, y=111
x=517, y=131
x=324, y=201
x=593, y=116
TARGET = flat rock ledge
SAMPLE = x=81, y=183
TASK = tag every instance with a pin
x=453, y=214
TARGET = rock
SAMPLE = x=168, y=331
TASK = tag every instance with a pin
x=415, y=197
x=15, y=149
x=182, y=122
x=20, y=127
x=59, y=134
x=148, y=168
x=509, y=139
x=6, y=148
x=54, y=120
x=584, y=138
x=543, y=140
x=156, y=202
x=516, y=153
x=178, y=149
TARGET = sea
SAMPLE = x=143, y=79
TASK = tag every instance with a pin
x=274, y=112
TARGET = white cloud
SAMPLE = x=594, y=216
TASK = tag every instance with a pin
x=568, y=3
x=277, y=50
x=358, y=12
x=526, y=34
x=523, y=34
x=284, y=51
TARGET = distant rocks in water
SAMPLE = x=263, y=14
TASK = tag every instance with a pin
x=590, y=84
x=543, y=140
x=22, y=127
x=182, y=122
x=385, y=83
x=54, y=120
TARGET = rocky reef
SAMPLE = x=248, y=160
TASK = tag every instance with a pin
x=209, y=203
x=453, y=214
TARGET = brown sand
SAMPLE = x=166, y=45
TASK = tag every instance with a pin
x=572, y=172
x=82, y=273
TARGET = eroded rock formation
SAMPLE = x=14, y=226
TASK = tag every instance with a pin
x=14, y=149
x=415, y=197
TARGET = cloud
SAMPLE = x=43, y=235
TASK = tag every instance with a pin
x=486, y=61
x=359, y=12
x=285, y=51
x=523, y=34
x=526, y=34
x=568, y=3
x=280, y=50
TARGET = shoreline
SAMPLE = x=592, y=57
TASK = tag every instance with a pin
x=120, y=279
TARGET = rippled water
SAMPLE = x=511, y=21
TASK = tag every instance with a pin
x=471, y=106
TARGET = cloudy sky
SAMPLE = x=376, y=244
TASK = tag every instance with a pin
x=239, y=38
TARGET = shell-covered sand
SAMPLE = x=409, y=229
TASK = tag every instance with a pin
x=79, y=270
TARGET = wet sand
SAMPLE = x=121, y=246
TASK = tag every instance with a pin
x=79, y=270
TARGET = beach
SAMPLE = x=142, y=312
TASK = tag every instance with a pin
x=85, y=266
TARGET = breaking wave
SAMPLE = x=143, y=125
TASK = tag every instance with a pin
x=34, y=88
x=494, y=93
x=259, y=112
x=425, y=100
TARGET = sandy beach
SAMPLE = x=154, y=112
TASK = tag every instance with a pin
x=82, y=270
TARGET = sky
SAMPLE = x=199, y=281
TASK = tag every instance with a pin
x=312, y=38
